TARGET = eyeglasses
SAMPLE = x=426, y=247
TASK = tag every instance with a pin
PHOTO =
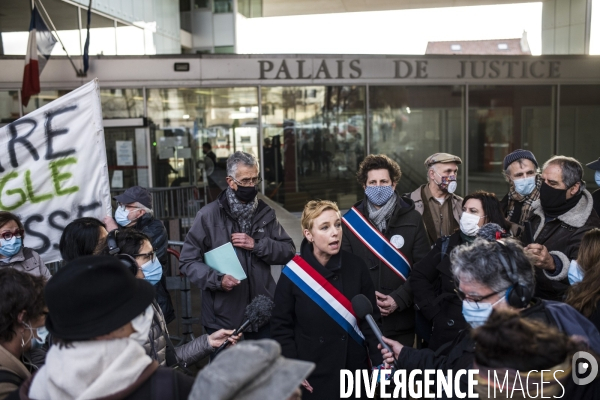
x=9, y=235
x=248, y=181
x=474, y=299
x=151, y=255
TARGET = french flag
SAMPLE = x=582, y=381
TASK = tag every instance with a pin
x=39, y=46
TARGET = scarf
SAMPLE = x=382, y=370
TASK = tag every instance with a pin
x=526, y=201
x=242, y=212
x=567, y=206
x=380, y=217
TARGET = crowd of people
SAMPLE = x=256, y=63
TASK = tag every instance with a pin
x=455, y=283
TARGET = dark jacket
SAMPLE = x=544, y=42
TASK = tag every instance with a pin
x=408, y=223
x=212, y=228
x=596, y=198
x=562, y=237
x=306, y=332
x=433, y=284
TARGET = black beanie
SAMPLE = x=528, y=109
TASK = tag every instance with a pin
x=93, y=296
x=517, y=155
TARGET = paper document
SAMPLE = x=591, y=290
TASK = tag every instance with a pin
x=224, y=260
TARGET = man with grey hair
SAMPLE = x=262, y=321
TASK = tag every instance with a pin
x=522, y=173
x=559, y=219
x=440, y=207
x=250, y=225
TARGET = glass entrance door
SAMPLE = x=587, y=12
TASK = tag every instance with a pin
x=127, y=155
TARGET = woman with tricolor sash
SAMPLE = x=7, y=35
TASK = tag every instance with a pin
x=313, y=319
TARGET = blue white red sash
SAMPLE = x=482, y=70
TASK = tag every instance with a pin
x=322, y=292
x=377, y=243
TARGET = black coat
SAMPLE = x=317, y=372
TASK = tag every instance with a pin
x=433, y=284
x=408, y=223
x=306, y=332
x=596, y=197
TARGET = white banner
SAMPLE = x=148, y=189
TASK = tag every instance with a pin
x=53, y=168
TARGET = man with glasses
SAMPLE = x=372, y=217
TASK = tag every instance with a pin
x=492, y=275
x=250, y=225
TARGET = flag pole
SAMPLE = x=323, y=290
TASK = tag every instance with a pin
x=78, y=72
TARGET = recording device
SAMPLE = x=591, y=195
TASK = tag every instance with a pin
x=528, y=234
x=258, y=313
x=492, y=232
x=363, y=309
x=111, y=242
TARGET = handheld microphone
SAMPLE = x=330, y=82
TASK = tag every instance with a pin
x=258, y=313
x=491, y=232
x=363, y=309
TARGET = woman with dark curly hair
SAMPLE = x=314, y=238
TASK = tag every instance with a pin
x=22, y=318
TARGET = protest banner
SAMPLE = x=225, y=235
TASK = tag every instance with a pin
x=53, y=168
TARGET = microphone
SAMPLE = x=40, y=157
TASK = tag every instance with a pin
x=258, y=313
x=491, y=232
x=363, y=309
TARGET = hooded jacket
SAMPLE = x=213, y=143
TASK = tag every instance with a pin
x=562, y=237
x=407, y=223
x=11, y=364
x=27, y=260
x=212, y=228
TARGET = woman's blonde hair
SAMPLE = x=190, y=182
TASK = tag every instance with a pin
x=313, y=209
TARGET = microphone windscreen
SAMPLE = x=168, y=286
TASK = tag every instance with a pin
x=488, y=231
x=362, y=306
x=258, y=312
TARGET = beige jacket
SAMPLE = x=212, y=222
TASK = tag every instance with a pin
x=27, y=260
x=10, y=363
x=456, y=204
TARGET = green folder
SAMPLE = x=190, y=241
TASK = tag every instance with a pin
x=223, y=259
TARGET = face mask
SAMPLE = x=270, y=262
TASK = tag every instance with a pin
x=525, y=186
x=551, y=198
x=40, y=336
x=379, y=195
x=152, y=271
x=447, y=184
x=9, y=248
x=477, y=314
x=575, y=273
x=141, y=324
x=246, y=193
x=597, y=178
x=121, y=216
x=469, y=223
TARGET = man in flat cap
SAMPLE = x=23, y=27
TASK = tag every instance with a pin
x=595, y=165
x=435, y=200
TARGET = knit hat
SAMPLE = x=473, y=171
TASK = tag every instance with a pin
x=517, y=155
x=135, y=194
x=250, y=370
x=93, y=296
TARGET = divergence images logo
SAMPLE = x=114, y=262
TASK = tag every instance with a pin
x=581, y=363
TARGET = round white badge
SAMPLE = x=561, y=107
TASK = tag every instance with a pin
x=397, y=241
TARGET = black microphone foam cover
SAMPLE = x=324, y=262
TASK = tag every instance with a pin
x=488, y=231
x=362, y=306
x=258, y=312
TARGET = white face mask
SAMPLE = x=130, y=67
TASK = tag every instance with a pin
x=469, y=223
x=141, y=324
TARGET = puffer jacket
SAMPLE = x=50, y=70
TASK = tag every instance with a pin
x=27, y=260
x=562, y=237
x=156, y=345
x=212, y=228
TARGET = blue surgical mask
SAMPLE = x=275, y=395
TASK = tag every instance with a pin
x=379, y=195
x=597, y=178
x=152, y=271
x=476, y=314
x=9, y=248
x=37, y=340
x=575, y=273
x=525, y=186
x=121, y=216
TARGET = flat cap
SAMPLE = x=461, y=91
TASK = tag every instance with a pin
x=442, y=158
x=595, y=165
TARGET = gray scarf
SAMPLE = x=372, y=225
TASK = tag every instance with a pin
x=242, y=212
x=381, y=216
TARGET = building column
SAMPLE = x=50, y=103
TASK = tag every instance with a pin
x=566, y=26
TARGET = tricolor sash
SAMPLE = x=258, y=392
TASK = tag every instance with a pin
x=377, y=243
x=322, y=292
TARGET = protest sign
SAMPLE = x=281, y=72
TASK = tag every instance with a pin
x=53, y=168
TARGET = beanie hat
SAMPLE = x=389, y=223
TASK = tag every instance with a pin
x=93, y=296
x=517, y=155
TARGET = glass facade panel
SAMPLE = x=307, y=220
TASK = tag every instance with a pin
x=9, y=106
x=122, y=103
x=314, y=141
x=127, y=156
x=503, y=119
x=410, y=123
x=578, y=126
x=181, y=120
x=43, y=98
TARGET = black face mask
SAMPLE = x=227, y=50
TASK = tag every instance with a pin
x=551, y=198
x=246, y=193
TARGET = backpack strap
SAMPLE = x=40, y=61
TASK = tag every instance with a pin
x=10, y=377
x=164, y=384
